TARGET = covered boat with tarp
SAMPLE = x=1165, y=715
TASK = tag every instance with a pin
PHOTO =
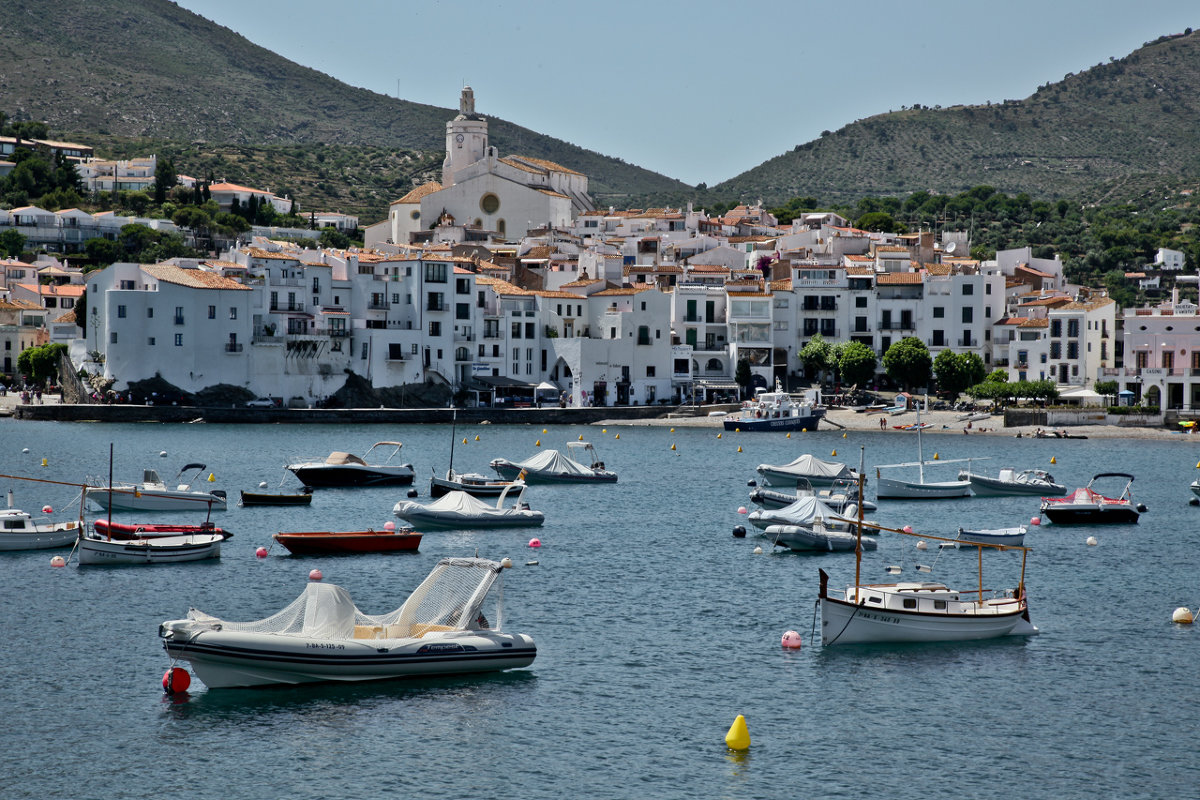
x=463, y=510
x=449, y=625
x=551, y=466
x=809, y=468
x=805, y=511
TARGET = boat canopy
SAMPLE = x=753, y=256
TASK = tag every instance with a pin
x=460, y=503
x=337, y=457
x=452, y=596
x=811, y=465
x=554, y=462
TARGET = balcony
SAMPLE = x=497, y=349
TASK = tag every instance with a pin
x=284, y=307
x=233, y=347
x=179, y=319
x=902, y=325
x=379, y=305
x=435, y=306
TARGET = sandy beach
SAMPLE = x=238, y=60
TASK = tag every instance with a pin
x=941, y=422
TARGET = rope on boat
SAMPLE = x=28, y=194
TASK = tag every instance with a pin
x=860, y=604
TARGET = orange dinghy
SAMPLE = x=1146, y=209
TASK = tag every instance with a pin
x=368, y=541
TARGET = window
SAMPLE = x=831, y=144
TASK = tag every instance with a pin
x=435, y=328
x=1073, y=352
x=530, y=330
x=396, y=298
x=939, y=338
x=489, y=203
x=1056, y=350
x=212, y=312
x=150, y=313
x=968, y=289
x=939, y=312
x=179, y=340
x=435, y=273
x=968, y=314
x=112, y=337
x=233, y=312
x=178, y=315
x=462, y=310
x=1073, y=327
x=121, y=312
x=643, y=334
x=434, y=302
x=363, y=351
x=462, y=286
x=860, y=302
x=150, y=341
x=516, y=331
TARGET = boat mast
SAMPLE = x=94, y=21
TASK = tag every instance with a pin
x=453, y=427
x=858, y=541
x=110, y=474
x=920, y=450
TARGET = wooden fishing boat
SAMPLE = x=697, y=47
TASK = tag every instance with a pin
x=302, y=498
x=333, y=542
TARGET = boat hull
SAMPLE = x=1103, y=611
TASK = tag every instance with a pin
x=756, y=424
x=441, y=486
x=334, y=476
x=986, y=486
x=422, y=518
x=894, y=489
x=62, y=535
x=259, y=499
x=164, y=550
x=846, y=623
x=322, y=542
x=804, y=539
x=226, y=659
x=1065, y=514
x=129, y=499
x=998, y=536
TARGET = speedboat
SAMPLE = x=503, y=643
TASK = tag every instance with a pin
x=1010, y=482
x=388, y=540
x=1085, y=506
x=463, y=510
x=997, y=536
x=345, y=469
x=1195, y=486
x=816, y=537
x=441, y=629
x=551, y=466
x=95, y=548
x=152, y=494
x=469, y=482
x=808, y=468
x=20, y=531
x=777, y=411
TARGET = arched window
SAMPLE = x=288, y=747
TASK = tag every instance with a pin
x=501, y=228
x=462, y=354
x=713, y=365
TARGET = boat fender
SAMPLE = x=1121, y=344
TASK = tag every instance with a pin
x=412, y=493
x=752, y=482
x=739, y=532
x=1141, y=507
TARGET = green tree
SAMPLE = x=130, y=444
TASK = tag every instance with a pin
x=102, y=252
x=744, y=378
x=815, y=355
x=333, y=238
x=40, y=364
x=1107, y=388
x=879, y=221
x=12, y=243
x=907, y=362
x=957, y=371
x=857, y=363
x=164, y=179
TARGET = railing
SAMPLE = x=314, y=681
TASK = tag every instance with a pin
x=178, y=319
x=293, y=306
x=379, y=305
x=233, y=347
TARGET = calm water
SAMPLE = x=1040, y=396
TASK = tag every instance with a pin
x=655, y=628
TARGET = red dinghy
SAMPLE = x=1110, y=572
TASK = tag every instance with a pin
x=368, y=541
x=125, y=531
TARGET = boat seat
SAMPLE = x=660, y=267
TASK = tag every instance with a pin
x=368, y=631
x=418, y=630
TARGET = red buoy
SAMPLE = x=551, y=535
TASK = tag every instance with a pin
x=261, y=552
x=176, y=680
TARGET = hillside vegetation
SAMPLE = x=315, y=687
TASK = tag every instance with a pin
x=140, y=76
x=1130, y=117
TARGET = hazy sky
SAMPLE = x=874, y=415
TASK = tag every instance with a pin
x=700, y=90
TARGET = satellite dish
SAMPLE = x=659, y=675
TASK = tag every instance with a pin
x=950, y=248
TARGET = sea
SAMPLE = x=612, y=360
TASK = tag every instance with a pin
x=656, y=627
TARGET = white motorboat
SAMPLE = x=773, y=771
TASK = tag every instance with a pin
x=97, y=549
x=1086, y=506
x=778, y=411
x=816, y=538
x=464, y=510
x=837, y=496
x=551, y=466
x=20, y=531
x=1006, y=537
x=441, y=629
x=1010, y=482
x=345, y=469
x=1195, y=486
x=807, y=468
x=153, y=494
x=920, y=489
x=469, y=482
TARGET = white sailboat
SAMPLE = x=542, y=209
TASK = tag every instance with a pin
x=918, y=611
x=920, y=489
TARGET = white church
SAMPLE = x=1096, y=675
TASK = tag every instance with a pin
x=507, y=196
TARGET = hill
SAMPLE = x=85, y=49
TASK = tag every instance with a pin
x=133, y=73
x=1104, y=127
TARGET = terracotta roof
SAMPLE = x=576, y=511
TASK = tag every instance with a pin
x=897, y=278
x=784, y=285
x=233, y=187
x=547, y=165
x=554, y=194
x=500, y=286
x=421, y=191
x=1011, y=321
x=1087, y=305
x=1035, y=323
x=192, y=278
x=559, y=294
x=512, y=162
x=54, y=290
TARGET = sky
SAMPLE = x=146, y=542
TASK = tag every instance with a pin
x=703, y=90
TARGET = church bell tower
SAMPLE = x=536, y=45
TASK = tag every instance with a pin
x=466, y=138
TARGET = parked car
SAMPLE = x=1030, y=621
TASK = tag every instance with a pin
x=260, y=402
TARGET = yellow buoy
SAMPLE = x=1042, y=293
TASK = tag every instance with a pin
x=581, y=437
x=804, y=430
x=834, y=454
x=739, y=448
x=543, y=430
x=477, y=437
x=45, y=462
x=211, y=479
x=618, y=436
x=843, y=436
x=538, y=443
x=1182, y=615
x=604, y=430
x=1054, y=460
x=718, y=436
x=935, y=456
x=672, y=430
x=1198, y=465
x=464, y=440
x=738, y=737
x=672, y=445
x=789, y=435
x=737, y=430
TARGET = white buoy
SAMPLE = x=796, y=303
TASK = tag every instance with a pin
x=25, y=450
x=921, y=545
x=1091, y=541
x=506, y=562
x=758, y=551
x=163, y=454
x=262, y=484
x=1182, y=615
